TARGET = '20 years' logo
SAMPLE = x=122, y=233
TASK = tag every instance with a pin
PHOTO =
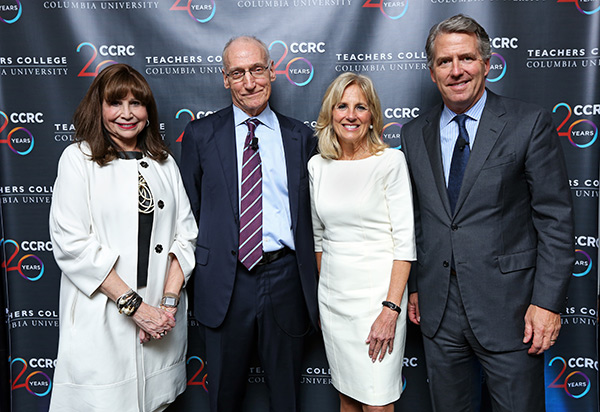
x=20, y=140
x=188, y=112
x=191, y=8
x=35, y=379
x=382, y=5
x=113, y=50
x=306, y=73
x=199, y=378
x=579, y=8
x=578, y=134
x=30, y=266
x=10, y=9
x=576, y=384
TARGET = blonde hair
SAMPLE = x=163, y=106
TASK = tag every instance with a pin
x=329, y=146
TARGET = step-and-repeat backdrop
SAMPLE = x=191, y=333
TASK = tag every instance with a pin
x=545, y=51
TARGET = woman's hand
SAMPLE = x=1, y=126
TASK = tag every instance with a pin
x=172, y=310
x=153, y=321
x=381, y=336
x=144, y=336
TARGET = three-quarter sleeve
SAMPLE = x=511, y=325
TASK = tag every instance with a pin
x=398, y=195
x=186, y=229
x=316, y=222
x=77, y=250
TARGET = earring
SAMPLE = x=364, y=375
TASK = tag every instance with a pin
x=147, y=122
x=371, y=126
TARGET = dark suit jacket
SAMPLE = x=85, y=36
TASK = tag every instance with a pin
x=209, y=171
x=512, y=230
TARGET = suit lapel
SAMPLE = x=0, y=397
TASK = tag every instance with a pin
x=490, y=128
x=224, y=135
x=431, y=138
x=292, y=151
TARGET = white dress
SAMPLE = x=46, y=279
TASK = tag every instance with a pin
x=363, y=221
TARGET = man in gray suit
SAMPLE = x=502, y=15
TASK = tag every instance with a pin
x=494, y=230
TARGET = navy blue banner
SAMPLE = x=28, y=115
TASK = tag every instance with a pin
x=545, y=51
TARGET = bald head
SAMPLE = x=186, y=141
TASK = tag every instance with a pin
x=243, y=42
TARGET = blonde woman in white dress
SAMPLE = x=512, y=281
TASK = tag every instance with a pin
x=364, y=243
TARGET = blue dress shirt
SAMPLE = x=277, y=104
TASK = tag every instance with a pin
x=277, y=218
x=449, y=131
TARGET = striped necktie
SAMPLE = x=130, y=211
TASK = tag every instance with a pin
x=251, y=220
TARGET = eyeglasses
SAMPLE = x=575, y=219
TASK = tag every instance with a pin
x=258, y=72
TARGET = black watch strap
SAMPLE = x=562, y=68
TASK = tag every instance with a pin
x=391, y=305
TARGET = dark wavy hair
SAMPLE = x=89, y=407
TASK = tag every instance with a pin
x=114, y=83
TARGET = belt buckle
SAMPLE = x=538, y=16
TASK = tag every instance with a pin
x=269, y=257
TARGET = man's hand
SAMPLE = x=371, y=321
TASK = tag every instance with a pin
x=541, y=329
x=413, y=308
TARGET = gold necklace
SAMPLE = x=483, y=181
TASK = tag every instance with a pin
x=145, y=198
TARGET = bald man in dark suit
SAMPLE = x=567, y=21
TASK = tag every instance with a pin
x=270, y=302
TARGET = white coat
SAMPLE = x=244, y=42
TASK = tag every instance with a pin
x=94, y=227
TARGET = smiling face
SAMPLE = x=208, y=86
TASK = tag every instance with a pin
x=124, y=120
x=251, y=94
x=351, y=117
x=458, y=70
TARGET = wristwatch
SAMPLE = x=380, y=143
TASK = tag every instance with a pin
x=391, y=305
x=169, y=300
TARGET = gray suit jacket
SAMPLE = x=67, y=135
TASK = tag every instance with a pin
x=512, y=230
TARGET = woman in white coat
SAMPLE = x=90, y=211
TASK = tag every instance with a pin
x=123, y=236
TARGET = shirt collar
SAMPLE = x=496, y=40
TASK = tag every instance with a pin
x=474, y=112
x=266, y=117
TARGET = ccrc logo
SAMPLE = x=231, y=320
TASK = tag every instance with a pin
x=497, y=67
x=203, y=9
x=20, y=140
x=581, y=133
x=391, y=9
x=37, y=383
x=307, y=47
x=579, y=8
x=30, y=266
x=13, y=10
x=106, y=50
x=188, y=112
x=297, y=75
x=576, y=384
